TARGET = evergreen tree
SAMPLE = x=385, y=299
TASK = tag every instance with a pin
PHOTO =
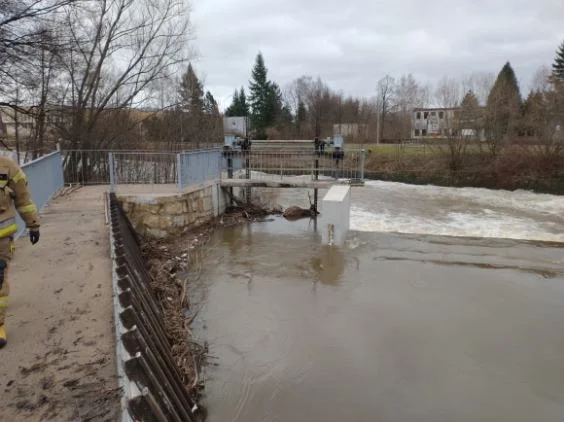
x=286, y=117
x=244, y=107
x=231, y=111
x=534, y=110
x=558, y=65
x=470, y=101
x=274, y=104
x=191, y=92
x=503, y=107
x=210, y=105
x=238, y=105
x=260, y=98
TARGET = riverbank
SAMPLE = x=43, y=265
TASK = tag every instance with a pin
x=512, y=169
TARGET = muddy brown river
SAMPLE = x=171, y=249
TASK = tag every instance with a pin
x=398, y=325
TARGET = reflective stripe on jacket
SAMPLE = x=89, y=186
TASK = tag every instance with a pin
x=15, y=196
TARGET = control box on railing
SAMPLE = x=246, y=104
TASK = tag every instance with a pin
x=235, y=143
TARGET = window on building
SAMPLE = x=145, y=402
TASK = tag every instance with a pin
x=423, y=132
x=441, y=114
x=433, y=114
x=418, y=115
x=426, y=115
x=416, y=132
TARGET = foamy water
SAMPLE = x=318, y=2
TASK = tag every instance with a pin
x=471, y=212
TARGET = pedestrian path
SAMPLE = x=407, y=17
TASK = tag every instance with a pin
x=59, y=363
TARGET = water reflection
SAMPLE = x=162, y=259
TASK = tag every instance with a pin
x=328, y=265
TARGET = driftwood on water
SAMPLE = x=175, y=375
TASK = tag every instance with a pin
x=242, y=211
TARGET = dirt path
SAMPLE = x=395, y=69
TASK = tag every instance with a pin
x=59, y=363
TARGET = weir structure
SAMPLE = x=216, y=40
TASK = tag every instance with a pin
x=240, y=165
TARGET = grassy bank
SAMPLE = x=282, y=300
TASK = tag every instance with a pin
x=517, y=168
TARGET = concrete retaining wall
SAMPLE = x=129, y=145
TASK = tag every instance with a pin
x=163, y=216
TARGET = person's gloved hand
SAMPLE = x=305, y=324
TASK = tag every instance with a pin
x=34, y=236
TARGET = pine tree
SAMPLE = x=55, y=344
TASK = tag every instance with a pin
x=503, y=107
x=192, y=108
x=286, y=117
x=238, y=105
x=243, y=106
x=274, y=104
x=191, y=92
x=231, y=111
x=534, y=110
x=210, y=104
x=259, y=98
x=470, y=101
x=558, y=65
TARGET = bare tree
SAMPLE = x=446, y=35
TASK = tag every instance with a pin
x=117, y=49
x=544, y=117
x=458, y=121
x=23, y=28
x=385, y=94
x=541, y=81
x=409, y=95
x=479, y=83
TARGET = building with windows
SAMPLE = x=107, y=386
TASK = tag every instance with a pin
x=437, y=123
x=432, y=122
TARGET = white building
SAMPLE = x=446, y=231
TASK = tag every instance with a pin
x=440, y=123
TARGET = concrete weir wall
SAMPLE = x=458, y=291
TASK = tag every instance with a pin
x=161, y=216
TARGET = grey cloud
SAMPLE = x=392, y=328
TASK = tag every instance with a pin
x=352, y=44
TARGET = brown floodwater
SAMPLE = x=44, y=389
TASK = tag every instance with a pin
x=391, y=327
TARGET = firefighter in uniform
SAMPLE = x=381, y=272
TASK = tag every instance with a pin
x=14, y=196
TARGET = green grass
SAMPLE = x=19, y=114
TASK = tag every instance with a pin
x=394, y=149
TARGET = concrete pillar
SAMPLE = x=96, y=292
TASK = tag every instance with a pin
x=336, y=215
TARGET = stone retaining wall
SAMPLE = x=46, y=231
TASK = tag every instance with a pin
x=162, y=216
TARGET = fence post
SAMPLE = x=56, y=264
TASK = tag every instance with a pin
x=179, y=172
x=112, y=172
x=362, y=159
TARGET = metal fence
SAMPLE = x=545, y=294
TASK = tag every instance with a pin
x=187, y=168
x=198, y=166
x=272, y=164
x=86, y=167
x=45, y=179
x=130, y=168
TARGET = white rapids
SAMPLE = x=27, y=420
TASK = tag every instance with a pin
x=469, y=212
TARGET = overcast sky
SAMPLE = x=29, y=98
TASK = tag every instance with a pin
x=351, y=44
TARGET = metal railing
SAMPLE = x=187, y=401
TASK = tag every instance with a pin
x=152, y=388
x=45, y=180
x=195, y=167
x=131, y=168
x=86, y=167
x=272, y=164
x=187, y=168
